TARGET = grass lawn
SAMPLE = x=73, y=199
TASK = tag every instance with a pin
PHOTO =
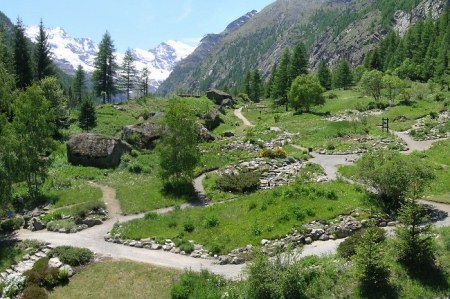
x=118, y=279
x=264, y=214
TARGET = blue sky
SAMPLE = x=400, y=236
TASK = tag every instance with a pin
x=133, y=23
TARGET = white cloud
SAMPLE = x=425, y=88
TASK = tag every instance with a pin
x=192, y=41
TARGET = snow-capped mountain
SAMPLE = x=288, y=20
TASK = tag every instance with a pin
x=69, y=52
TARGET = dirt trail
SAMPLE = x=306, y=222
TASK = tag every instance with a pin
x=238, y=114
x=109, y=198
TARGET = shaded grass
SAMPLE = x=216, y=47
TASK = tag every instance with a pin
x=118, y=279
x=264, y=214
x=12, y=252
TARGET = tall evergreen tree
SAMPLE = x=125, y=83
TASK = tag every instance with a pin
x=270, y=81
x=324, y=75
x=343, y=75
x=298, y=64
x=144, y=80
x=42, y=55
x=78, y=87
x=22, y=62
x=128, y=73
x=256, y=86
x=7, y=86
x=247, y=83
x=88, y=117
x=281, y=83
x=105, y=69
x=6, y=57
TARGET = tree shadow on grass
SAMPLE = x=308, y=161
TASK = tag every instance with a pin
x=182, y=190
x=386, y=291
x=431, y=276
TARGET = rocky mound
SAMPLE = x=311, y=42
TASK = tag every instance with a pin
x=95, y=150
x=142, y=135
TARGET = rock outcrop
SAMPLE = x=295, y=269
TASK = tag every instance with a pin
x=212, y=119
x=219, y=97
x=142, y=135
x=95, y=150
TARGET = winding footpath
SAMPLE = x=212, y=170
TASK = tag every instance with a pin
x=93, y=238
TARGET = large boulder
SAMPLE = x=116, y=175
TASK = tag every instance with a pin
x=212, y=119
x=218, y=96
x=142, y=135
x=204, y=134
x=95, y=150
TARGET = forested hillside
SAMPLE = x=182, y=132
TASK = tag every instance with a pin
x=330, y=29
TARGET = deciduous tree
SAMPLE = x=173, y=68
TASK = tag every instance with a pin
x=305, y=92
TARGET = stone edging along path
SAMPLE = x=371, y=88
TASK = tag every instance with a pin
x=93, y=238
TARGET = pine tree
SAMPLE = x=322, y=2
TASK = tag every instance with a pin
x=270, y=81
x=78, y=87
x=343, y=76
x=88, y=117
x=256, y=86
x=42, y=54
x=105, y=69
x=22, y=62
x=128, y=73
x=281, y=84
x=247, y=84
x=144, y=80
x=375, y=61
x=324, y=75
x=298, y=64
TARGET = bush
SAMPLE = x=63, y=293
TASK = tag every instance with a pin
x=57, y=215
x=151, y=216
x=273, y=153
x=12, y=285
x=211, y=222
x=66, y=224
x=34, y=292
x=203, y=285
x=243, y=182
x=10, y=225
x=347, y=249
x=188, y=227
x=72, y=256
x=42, y=275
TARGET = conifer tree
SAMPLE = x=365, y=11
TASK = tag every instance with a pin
x=78, y=87
x=247, y=83
x=105, y=69
x=144, y=80
x=298, y=64
x=128, y=73
x=88, y=117
x=5, y=54
x=270, y=82
x=256, y=86
x=7, y=86
x=22, y=62
x=281, y=82
x=343, y=76
x=324, y=75
x=42, y=55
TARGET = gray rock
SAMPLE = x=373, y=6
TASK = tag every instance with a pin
x=36, y=224
x=95, y=150
x=54, y=262
x=228, y=134
x=218, y=96
x=308, y=240
x=237, y=260
x=142, y=135
x=156, y=246
x=139, y=244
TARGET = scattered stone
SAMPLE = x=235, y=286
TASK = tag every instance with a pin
x=308, y=240
x=54, y=262
x=68, y=269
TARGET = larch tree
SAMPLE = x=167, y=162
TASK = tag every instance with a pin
x=87, y=119
x=127, y=78
x=22, y=62
x=78, y=87
x=105, y=69
x=298, y=65
x=42, y=55
x=144, y=78
x=281, y=83
x=256, y=88
x=343, y=75
x=324, y=75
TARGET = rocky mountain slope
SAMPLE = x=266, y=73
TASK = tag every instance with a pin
x=69, y=52
x=332, y=29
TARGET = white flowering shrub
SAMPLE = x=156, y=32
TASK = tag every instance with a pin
x=13, y=284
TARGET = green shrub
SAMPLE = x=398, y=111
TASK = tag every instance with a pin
x=34, y=292
x=42, y=275
x=273, y=153
x=347, y=248
x=57, y=215
x=72, y=256
x=12, y=224
x=211, y=221
x=151, y=216
x=188, y=227
x=66, y=224
x=243, y=182
x=187, y=247
x=203, y=285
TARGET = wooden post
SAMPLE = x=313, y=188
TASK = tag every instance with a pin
x=385, y=124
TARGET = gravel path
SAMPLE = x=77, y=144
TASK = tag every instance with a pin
x=414, y=145
x=238, y=114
